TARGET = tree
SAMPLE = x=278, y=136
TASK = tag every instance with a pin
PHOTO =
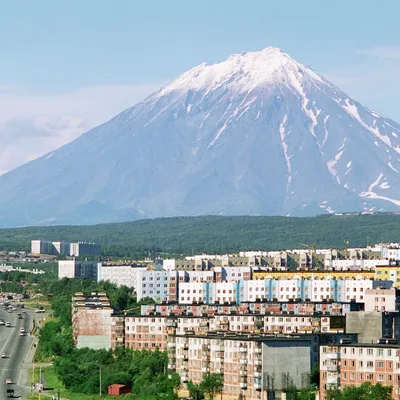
x=212, y=384
x=366, y=391
x=195, y=391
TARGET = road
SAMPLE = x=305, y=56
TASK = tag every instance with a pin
x=16, y=348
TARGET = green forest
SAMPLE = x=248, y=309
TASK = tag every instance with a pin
x=214, y=234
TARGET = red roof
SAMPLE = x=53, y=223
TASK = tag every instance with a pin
x=117, y=386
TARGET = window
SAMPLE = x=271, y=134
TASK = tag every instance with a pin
x=370, y=364
x=379, y=364
x=379, y=378
x=370, y=352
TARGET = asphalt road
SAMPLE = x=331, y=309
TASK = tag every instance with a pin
x=16, y=348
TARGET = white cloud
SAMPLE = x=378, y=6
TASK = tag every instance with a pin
x=32, y=125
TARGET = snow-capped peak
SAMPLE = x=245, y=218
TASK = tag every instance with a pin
x=245, y=71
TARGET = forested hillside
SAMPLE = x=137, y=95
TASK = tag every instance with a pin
x=209, y=234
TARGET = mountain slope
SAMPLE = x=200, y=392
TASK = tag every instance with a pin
x=256, y=134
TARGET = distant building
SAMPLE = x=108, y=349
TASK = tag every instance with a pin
x=79, y=249
x=91, y=320
x=41, y=247
x=79, y=269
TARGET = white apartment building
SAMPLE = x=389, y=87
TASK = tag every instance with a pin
x=154, y=284
x=354, y=264
x=233, y=274
x=121, y=275
x=380, y=300
x=40, y=247
x=195, y=276
x=278, y=289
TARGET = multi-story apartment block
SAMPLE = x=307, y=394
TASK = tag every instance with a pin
x=381, y=299
x=64, y=248
x=280, y=290
x=91, y=320
x=81, y=249
x=257, y=307
x=353, y=364
x=254, y=367
x=156, y=284
x=232, y=274
x=320, y=275
x=120, y=274
x=371, y=326
x=79, y=269
x=117, y=334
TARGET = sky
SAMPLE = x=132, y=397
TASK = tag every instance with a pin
x=69, y=65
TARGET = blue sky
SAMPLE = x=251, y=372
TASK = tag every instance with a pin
x=91, y=59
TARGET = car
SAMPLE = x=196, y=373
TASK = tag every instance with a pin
x=3, y=355
x=9, y=381
x=8, y=324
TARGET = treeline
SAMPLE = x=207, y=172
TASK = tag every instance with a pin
x=215, y=234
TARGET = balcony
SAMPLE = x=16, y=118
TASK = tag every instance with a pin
x=243, y=385
x=332, y=356
x=243, y=361
x=258, y=350
x=205, y=369
x=171, y=345
x=184, y=377
x=332, y=368
x=172, y=366
x=243, y=349
x=243, y=372
x=257, y=361
x=257, y=374
x=185, y=346
x=257, y=385
x=332, y=380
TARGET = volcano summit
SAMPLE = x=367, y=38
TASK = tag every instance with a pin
x=257, y=134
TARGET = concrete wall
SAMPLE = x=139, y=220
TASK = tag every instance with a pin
x=93, y=328
x=94, y=342
x=368, y=325
x=286, y=363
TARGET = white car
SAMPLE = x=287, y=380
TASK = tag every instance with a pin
x=3, y=355
x=8, y=324
x=9, y=381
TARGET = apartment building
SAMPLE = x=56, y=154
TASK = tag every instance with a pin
x=81, y=249
x=320, y=275
x=371, y=326
x=257, y=307
x=79, y=269
x=120, y=274
x=91, y=320
x=277, y=289
x=388, y=272
x=381, y=299
x=254, y=367
x=353, y=364
x=64, y=248
x=159, y=285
